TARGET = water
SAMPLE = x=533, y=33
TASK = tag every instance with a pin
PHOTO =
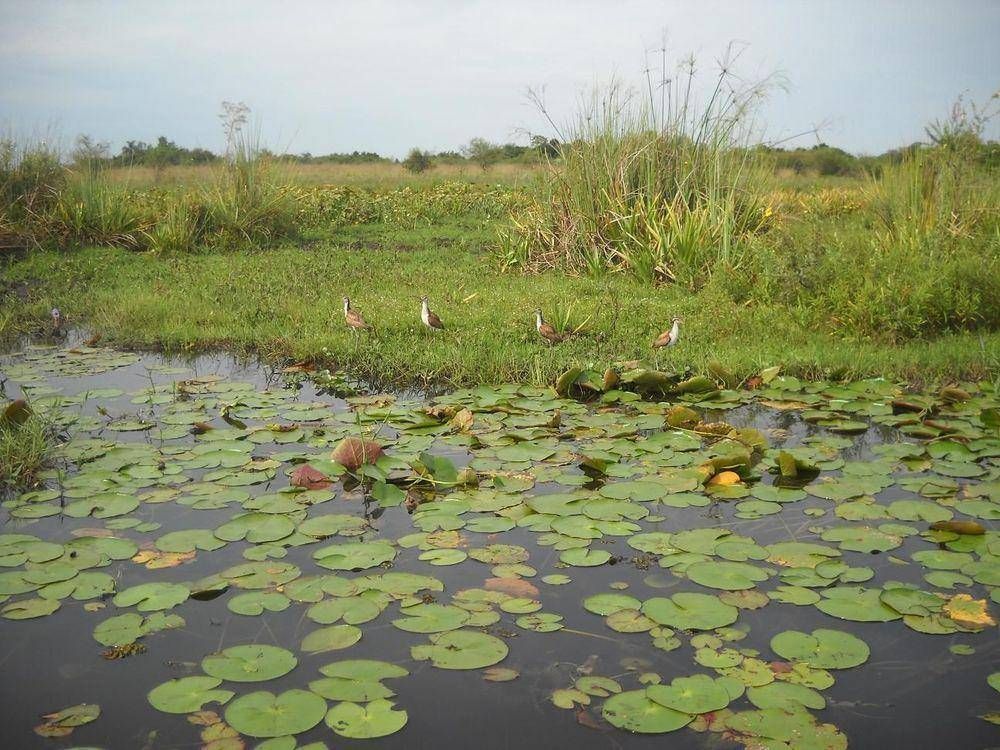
x=913, y=692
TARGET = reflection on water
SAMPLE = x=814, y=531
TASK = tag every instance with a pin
x=912, y=693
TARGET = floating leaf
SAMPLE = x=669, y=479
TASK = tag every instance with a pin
x=333, y=638
x=252, y=663
x=826, y=649
x=698, y=694
x=187, y=694
x=461, y=649
x=633, y=711
x=62, y=723
x=264, y=714
x=375, y=719
x=686, y=611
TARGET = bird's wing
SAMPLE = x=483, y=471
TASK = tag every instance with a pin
x=662, y=340
x=434, y=321
x=548, y=332
x=354, y=319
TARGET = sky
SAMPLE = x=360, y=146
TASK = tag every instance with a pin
x=336, y=76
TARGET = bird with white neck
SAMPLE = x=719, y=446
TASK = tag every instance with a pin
x=669, y=338
x=546, y=330
x=429, y=318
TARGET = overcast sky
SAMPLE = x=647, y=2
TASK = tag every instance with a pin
x=385, y=76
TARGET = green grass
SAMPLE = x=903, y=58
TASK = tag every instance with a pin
x=24, y=451
x=286, y=302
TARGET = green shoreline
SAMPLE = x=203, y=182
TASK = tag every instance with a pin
x=285, y=304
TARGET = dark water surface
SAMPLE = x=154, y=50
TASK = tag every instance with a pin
x=912, y=693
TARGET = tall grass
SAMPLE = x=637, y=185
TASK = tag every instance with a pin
x=90, y=210
x=663, y=185
x=24, y=451
x=30, y=174
x=249, y=202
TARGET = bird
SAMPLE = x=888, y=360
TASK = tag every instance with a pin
x=430, y=319
x=57, y=322
x=669, y=338
x=545, y=330
x=353, y=318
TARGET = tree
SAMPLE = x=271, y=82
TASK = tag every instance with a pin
x=417, y=161
x=547, y=147
x=482, y=152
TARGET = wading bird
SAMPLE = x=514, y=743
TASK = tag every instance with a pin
x=57, y=322
x=429, y=319
x=353, y=318
x=669, y=338
x=545, y=330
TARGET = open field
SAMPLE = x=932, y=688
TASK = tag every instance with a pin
x=380, y=175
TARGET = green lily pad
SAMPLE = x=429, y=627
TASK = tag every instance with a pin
x=633, y=711
x=606, y=604
x=251, y=663
x=785, y=695
x=354, y=555
x=28, y=609
x=730, y=576
x=461, y=649
x=687, y=611
x=188, y=694
x=431, y=618
x=375, y=719
x=264, y=714
x=584, y=557
x=826, y=649
x=257, y=602
x=698, y=694
x=857, y=604
x=151, y=597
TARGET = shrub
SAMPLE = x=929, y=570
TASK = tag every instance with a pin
x=418, y=161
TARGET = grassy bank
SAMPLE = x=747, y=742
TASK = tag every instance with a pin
x=286, y=302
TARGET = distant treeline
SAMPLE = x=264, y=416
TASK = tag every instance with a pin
x=820, y=159
x=825, y=160
x=164, y=152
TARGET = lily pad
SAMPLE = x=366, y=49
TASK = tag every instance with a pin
x=251, y=663
x=826, y=649
x=688, y=611
x=633, y=711
x=264, y=714
x=378, y=718
x=461, y=649
x=188, y=694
